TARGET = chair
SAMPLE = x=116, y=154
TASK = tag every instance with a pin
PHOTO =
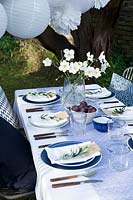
x=6, y=193
x=128, y=73
x=122, y=88
x=6, y=111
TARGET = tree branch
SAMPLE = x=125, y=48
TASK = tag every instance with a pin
x=54, y=41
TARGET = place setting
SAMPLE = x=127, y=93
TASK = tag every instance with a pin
x=119, y=111
x=45, y=98
x=50, y=119
x=72, y=155
x=98, y=93
x=73, y=179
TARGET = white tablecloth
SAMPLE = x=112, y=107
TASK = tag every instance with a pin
x=115, y=185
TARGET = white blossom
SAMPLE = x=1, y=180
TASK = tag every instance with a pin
x=90, y=57
x=64, y=66
x=85, y=69
x=97, y=73
x=101, y=58
x=89, y=71
x=74, y=67
x=104, y=66
x=68, y=54
x=47, y=62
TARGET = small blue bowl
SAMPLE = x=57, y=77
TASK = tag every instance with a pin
x=101, y=125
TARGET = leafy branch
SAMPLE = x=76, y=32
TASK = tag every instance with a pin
x=118, y=110
x=81, y=151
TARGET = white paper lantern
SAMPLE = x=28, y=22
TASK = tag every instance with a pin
x=82, y=5
x=3, y=20
x=56, y=3
x=27, y=18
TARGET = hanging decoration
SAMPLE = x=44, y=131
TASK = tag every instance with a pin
x=56, y=3
x=27, y=19
x=83, y=5
x=86, y=5
x=3, y=20
x=66, y=15
x=65, y=19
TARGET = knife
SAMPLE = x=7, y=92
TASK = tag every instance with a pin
x=130, y=124
x=75, y=183
x=43, y=146
x=110, y=102
x=50, y=136
x=115, y=107
x=52, y=133
x=34, y=109
x=88, y=174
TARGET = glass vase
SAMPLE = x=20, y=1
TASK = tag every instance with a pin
x=73, y=92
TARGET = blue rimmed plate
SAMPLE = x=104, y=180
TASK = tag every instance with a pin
x=80, y=165
x=41, y=102
x=130, y=143
x=111, y=95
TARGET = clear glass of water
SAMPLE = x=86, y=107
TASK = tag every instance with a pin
x=116, y=129
x=78, y=122
x=118, y=156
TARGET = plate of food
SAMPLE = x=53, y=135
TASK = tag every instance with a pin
x=49, y=119
x=71, y=163
x=41, y=97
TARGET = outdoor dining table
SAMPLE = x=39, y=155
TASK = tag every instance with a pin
x=115, y=186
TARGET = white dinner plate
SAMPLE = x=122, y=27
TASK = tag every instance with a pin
x=77, y=163
x=127, y=115
x=48, y=122
x=41, y=96
x=98, y=93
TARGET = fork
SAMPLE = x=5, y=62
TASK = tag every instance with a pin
x=87, y=173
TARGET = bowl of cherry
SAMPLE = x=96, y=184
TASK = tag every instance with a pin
x=84, y=107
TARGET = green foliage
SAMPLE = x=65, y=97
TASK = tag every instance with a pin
x=8, y=47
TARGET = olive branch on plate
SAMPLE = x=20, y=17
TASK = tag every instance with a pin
x=48, y=117
x=47, y=94
x=119, y=110
x=81, y=151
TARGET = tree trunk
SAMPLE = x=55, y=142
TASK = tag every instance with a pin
x=94, y=33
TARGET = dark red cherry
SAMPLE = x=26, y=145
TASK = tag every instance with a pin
x=75, y=108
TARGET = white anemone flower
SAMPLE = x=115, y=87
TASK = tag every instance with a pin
x=101, y=58
x=74, y=67
x=104, y=66
x=84, y=65
x=47, y=62
x=89, y=71
x=68, y=54
x=64, y=66
x=90, y=57
x=97, y=73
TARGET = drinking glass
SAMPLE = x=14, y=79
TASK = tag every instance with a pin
x=78, y=122
x=118, y=156
x=116, y=129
